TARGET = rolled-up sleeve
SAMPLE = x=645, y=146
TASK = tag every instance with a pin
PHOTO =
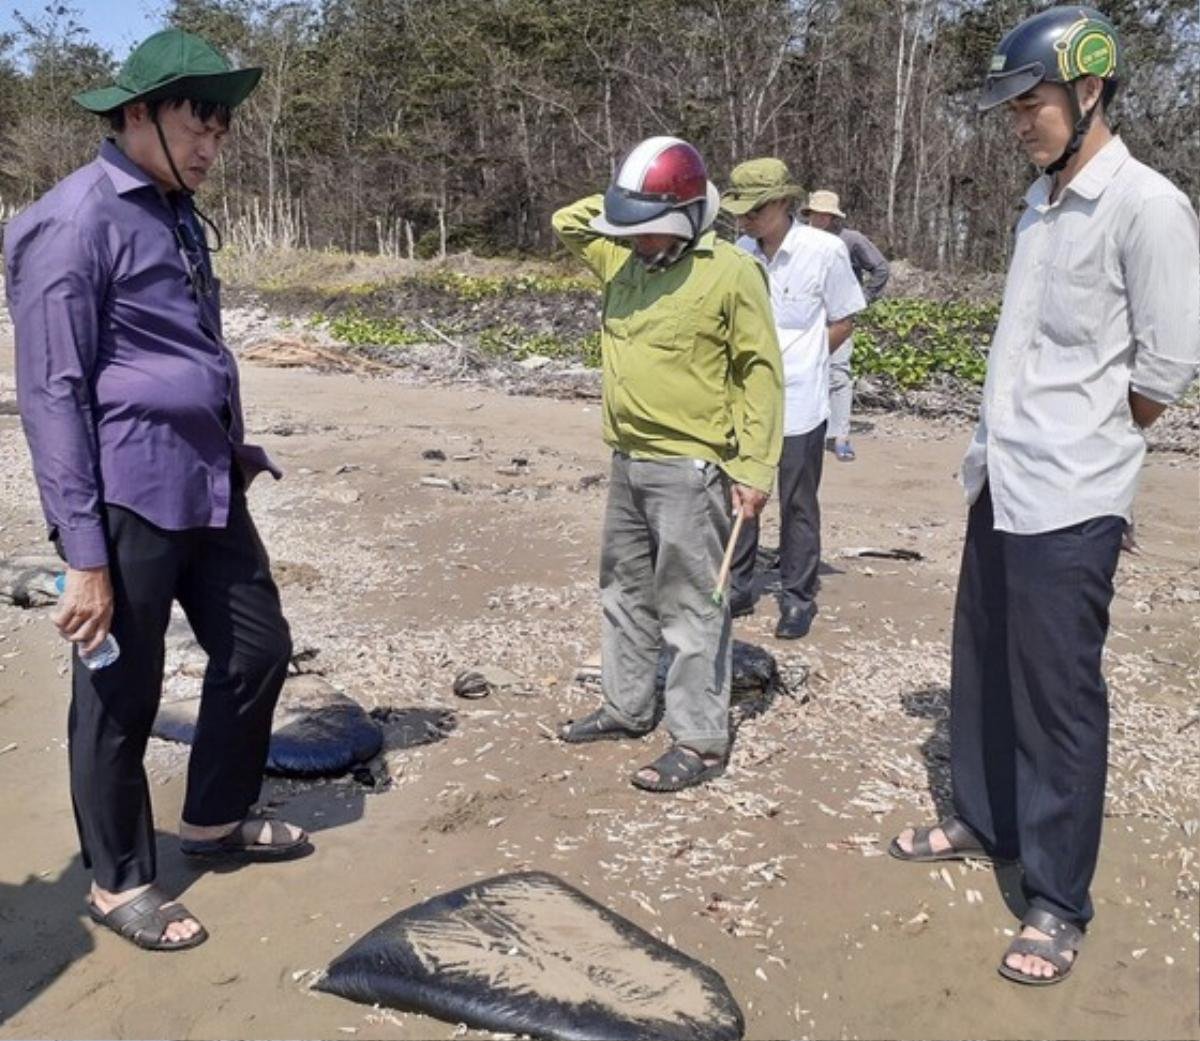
x=1161, y=264
x=55, y=284
x=757, y=378
x=840, y=291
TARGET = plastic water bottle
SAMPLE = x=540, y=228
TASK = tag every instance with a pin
x=108, y=651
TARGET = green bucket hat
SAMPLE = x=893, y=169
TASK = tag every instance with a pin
x=173, y=64
x=757, y=181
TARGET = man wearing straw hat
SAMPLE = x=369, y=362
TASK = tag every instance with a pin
x=824, y=211
x=814, y=295
x=130, y=404
x=692, y=407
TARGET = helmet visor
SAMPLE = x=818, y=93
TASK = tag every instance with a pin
x=1000, y=87
x=623, y=208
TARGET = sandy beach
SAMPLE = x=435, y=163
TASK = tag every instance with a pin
x=776, y=875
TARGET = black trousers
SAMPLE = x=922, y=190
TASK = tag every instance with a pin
x=800, y=468
x=222, y=580
x=1028, y=705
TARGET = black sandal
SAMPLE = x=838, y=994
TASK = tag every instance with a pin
x=677, y=768
x=143, y=921
x=279, y=845
x=596, y=726
x=963, y=844
x=1064, y=939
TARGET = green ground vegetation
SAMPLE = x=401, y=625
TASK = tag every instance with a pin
x=911, y=341
x=907, y=341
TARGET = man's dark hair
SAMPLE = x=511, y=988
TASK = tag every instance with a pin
x=202, y=110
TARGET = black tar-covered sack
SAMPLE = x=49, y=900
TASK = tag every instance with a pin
x=316, y=732
x=526, y=953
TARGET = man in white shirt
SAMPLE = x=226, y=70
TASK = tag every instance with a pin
x=814, y=296
x=1098, y=333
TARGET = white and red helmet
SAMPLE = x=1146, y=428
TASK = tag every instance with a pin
x=661, y=188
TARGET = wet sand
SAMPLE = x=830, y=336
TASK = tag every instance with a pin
x=775, y=876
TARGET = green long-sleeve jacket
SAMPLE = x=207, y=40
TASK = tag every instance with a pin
x=691, y=360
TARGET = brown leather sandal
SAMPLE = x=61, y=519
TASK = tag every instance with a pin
x=1064, y=939
x=279, y=845
x=678, y=768
x=596, y=726
x=143, y=921
x=963, y=844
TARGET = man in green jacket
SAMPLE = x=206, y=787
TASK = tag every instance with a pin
x=693, y=404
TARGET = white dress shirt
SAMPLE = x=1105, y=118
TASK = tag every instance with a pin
x=812, y=284
x=1103, y=296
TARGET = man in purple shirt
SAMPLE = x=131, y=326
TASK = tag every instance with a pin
x=129, y=400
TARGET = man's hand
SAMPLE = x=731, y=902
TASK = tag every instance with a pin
x=1144, y=410
x=748, y=501
x=85, y=611
x=1129, y=542
x=839, y=333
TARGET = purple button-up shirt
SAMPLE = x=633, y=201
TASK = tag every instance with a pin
x=127, y=392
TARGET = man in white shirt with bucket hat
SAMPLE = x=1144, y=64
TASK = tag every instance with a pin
x=814, y=296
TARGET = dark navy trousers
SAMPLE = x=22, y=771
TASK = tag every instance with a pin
x=800, y=465
x=1029, y=706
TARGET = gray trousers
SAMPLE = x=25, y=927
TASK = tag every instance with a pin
x=841, y=391
x=665, y=529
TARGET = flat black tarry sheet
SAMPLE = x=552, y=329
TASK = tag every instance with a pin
x=526, y=953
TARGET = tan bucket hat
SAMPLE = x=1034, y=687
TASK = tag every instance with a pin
x=823, y=202
x=757, y=181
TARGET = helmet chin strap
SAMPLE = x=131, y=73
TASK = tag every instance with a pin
x=162, y=140
x=664, y=258
x=1082, y=123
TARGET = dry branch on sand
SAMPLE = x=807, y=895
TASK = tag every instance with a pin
x=284, y=353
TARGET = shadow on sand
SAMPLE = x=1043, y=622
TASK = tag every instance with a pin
x=44, y=924
x=933, y=704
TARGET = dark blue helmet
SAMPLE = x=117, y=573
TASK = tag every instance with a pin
x=1058, y=45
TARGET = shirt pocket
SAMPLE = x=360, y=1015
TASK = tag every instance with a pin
x=1071, y=311
x=657, y=330
x=631, y=318
x=797, y=303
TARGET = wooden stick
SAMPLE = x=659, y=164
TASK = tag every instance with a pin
x=718, y=594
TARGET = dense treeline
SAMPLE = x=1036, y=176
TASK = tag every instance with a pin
x=423, y=124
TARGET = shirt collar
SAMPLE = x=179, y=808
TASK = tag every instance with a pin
x=706, y=243
x=1090, y=182
x=787, y=247
x=125, y=174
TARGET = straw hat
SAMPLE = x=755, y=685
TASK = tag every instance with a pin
x=823, y=202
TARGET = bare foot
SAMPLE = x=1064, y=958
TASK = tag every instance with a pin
x=176, y=932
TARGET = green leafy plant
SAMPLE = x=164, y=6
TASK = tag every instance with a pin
x=478, y=287
x=913, y=340
x=359, y=330
x=509, y=341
